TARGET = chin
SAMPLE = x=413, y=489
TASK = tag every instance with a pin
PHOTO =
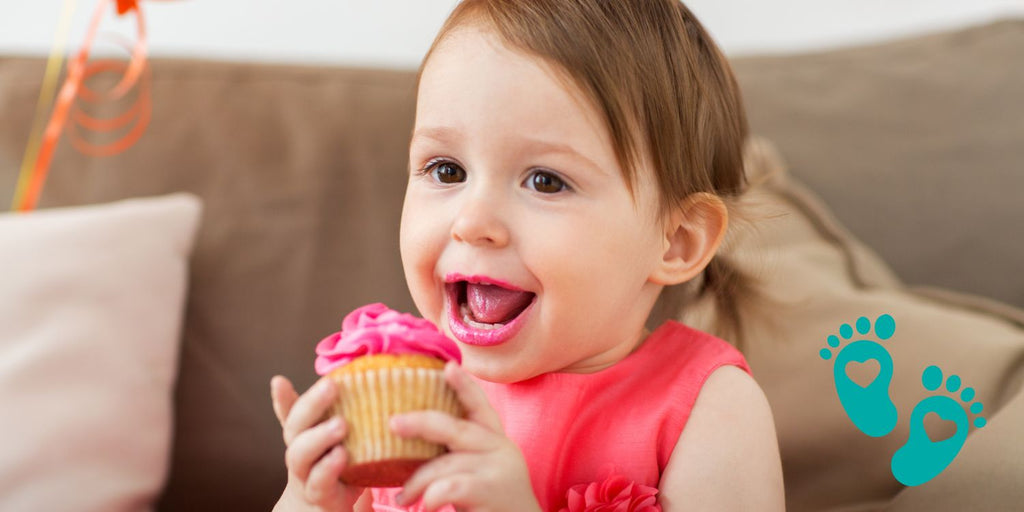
x=495, y=372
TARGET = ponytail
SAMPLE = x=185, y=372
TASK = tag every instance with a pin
x=729, y=287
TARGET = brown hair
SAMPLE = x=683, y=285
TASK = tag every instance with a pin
x=664, y=89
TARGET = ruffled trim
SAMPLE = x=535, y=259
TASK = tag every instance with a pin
x=614, y=494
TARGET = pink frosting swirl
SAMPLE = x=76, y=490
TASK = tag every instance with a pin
x=376, y=329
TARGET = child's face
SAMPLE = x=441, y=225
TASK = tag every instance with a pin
x=495, y=207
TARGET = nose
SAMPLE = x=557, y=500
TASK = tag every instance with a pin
x=479, y=222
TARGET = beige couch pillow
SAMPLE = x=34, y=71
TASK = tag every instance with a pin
x=921, y=135
x=817, y=277
x=90, y=317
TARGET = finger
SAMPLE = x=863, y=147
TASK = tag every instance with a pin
x=438, y=468
x=457, y=434
x=311, y=445
x=283, y=396
x=473, y=398
x=310, y=408
x=323, y=485
x=455, y=489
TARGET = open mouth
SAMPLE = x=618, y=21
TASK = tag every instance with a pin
x=486, y=314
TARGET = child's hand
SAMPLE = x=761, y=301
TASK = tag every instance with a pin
x=484, y=471
x=313, y=456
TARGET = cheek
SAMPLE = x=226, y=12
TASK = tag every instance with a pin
x=608, y=246
x=599, y=243
x=420, y=249
x=417, y=255
x=415, y=232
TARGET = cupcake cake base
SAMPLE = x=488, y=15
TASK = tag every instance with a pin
x=384, y=473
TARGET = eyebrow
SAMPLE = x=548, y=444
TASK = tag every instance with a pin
x=450, y=134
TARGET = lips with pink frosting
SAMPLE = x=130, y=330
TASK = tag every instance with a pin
x=376, y=329
x=484, y=311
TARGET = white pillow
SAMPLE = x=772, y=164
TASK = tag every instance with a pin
x=91, y=302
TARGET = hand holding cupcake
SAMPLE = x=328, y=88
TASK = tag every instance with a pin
x=393, y=398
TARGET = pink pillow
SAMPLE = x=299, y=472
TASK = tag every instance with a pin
x=90, y=317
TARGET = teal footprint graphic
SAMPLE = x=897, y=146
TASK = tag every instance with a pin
x=870, y=408
x=922, y=459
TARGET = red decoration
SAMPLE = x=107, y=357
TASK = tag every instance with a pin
x=123, y=6
x=74, y=92
x=614, y=494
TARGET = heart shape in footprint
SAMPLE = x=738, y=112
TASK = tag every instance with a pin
x=863, y=373
x=938, y=428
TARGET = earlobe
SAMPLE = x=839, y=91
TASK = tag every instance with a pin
x=693, y=234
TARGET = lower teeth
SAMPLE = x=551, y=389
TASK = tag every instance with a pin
x=467, y=318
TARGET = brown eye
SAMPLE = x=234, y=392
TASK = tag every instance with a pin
x=447, y=172
x=546, y=182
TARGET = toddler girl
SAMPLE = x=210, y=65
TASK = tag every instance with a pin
x=571, y=163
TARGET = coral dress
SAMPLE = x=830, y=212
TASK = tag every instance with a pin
x=605, y=437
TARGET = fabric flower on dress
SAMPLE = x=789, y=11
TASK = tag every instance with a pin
x=614, y=494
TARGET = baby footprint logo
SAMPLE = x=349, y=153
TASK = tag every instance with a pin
x=870, y=407
x=922, y=459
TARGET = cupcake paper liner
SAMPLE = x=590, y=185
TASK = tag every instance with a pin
x=368, y=399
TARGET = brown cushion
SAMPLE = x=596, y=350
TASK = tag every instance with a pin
x=916, y=145
x=302, y=173
x=816, y=277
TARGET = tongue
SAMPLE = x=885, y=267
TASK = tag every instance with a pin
x=494, y=304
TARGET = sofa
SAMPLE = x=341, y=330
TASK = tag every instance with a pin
x=263, y=203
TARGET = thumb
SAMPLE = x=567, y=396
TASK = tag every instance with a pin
x=283, y=395
x=478, y=406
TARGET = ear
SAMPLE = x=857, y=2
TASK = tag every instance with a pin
x=693, y=233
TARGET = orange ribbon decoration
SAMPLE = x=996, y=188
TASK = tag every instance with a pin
x=123, y=6
x=135, y=72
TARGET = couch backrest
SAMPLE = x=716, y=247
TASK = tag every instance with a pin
x=916, y=145
x=302, y=172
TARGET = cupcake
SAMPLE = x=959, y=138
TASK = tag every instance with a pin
x=385, y=363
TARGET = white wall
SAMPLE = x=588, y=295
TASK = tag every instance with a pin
x=396, y=33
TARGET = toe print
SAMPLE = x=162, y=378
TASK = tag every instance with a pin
x=922, y=459
x=869, y=407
